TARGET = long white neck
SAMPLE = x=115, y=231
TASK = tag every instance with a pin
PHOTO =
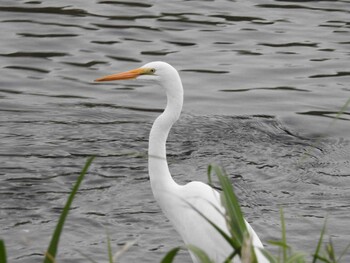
x=160, y=177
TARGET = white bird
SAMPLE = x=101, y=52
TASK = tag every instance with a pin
x=177, y=201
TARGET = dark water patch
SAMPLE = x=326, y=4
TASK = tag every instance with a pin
x=45, y=10
x=61, y=24
x=125, y=59
x=181, y=44
x=47, y=35
x=327, y=49
x=22, y=223
x=100, y=187
x=157, y=52
x=207, y=71
x=223, y=43
x=319, y=59
x=239, y=18
x=336, y=175
x=33, y=2
x=301, y=7
x=28, y=69
x=16, y=208
x=265, y=88
x=126, y=3
x=292, y=44
x=113, y=106
x=118, y=26
x=286, y=53
x=248, y=53
x=12, y=110
x=338, y=74
x=138, y=40
x=35, y=54
x=105, y=42
x=64, y=96
x=335, y=24
x=132, y=18
x=185, y=18
x=85, y=65
x=95, y=213
x=11, y=91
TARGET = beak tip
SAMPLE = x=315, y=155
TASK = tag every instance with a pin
x=99, y=79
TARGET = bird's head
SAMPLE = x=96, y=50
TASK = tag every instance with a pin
x=157, y=71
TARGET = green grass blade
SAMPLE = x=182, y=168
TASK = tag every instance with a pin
x=297, y=257
x=200, y=254
x=3, y=257
x=268, y=255
x=323, y=259
x=169, y=257
x=279, y=243
x=125, y=248
x=318, y=247
x=284, y=237
x=344, y=252
x=109, y=248
x=330, y=251
x=237, y=224
x=52, y=249
x=343, y=109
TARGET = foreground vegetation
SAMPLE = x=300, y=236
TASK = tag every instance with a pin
x=240, y=240
x=238, y=236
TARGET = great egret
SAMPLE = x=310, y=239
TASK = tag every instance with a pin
x=177, y=201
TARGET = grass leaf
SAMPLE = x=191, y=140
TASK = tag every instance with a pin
x=279, y=243
x=268, y=255
x=318, y=247
x=109, y=248
x=343, y=109
x=52, y=249
x=297, y=257
x=330, y=251
x=343, y=253
x=235, y=217
x=3, y=257
x=200, y=254
x=123, y=249
x=169, y=257
x=323, y=259
x=284, y=237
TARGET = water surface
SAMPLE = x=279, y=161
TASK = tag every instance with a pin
x=264, y=81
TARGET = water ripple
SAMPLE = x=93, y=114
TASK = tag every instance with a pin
x=125, y=3
x=45, y=10
x=29, y=68
x=60, y=24
x=47, y=35
x=35, y=54
x=269, y=6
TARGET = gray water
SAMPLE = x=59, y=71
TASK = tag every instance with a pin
x=264, y=81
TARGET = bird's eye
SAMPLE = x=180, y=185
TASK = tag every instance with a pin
x=152, y=70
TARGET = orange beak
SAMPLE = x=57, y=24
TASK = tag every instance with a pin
x=131, y=74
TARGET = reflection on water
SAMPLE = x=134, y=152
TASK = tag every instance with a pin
x=281, y=68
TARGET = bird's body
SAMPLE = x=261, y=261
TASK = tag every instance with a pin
x=177, y=201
